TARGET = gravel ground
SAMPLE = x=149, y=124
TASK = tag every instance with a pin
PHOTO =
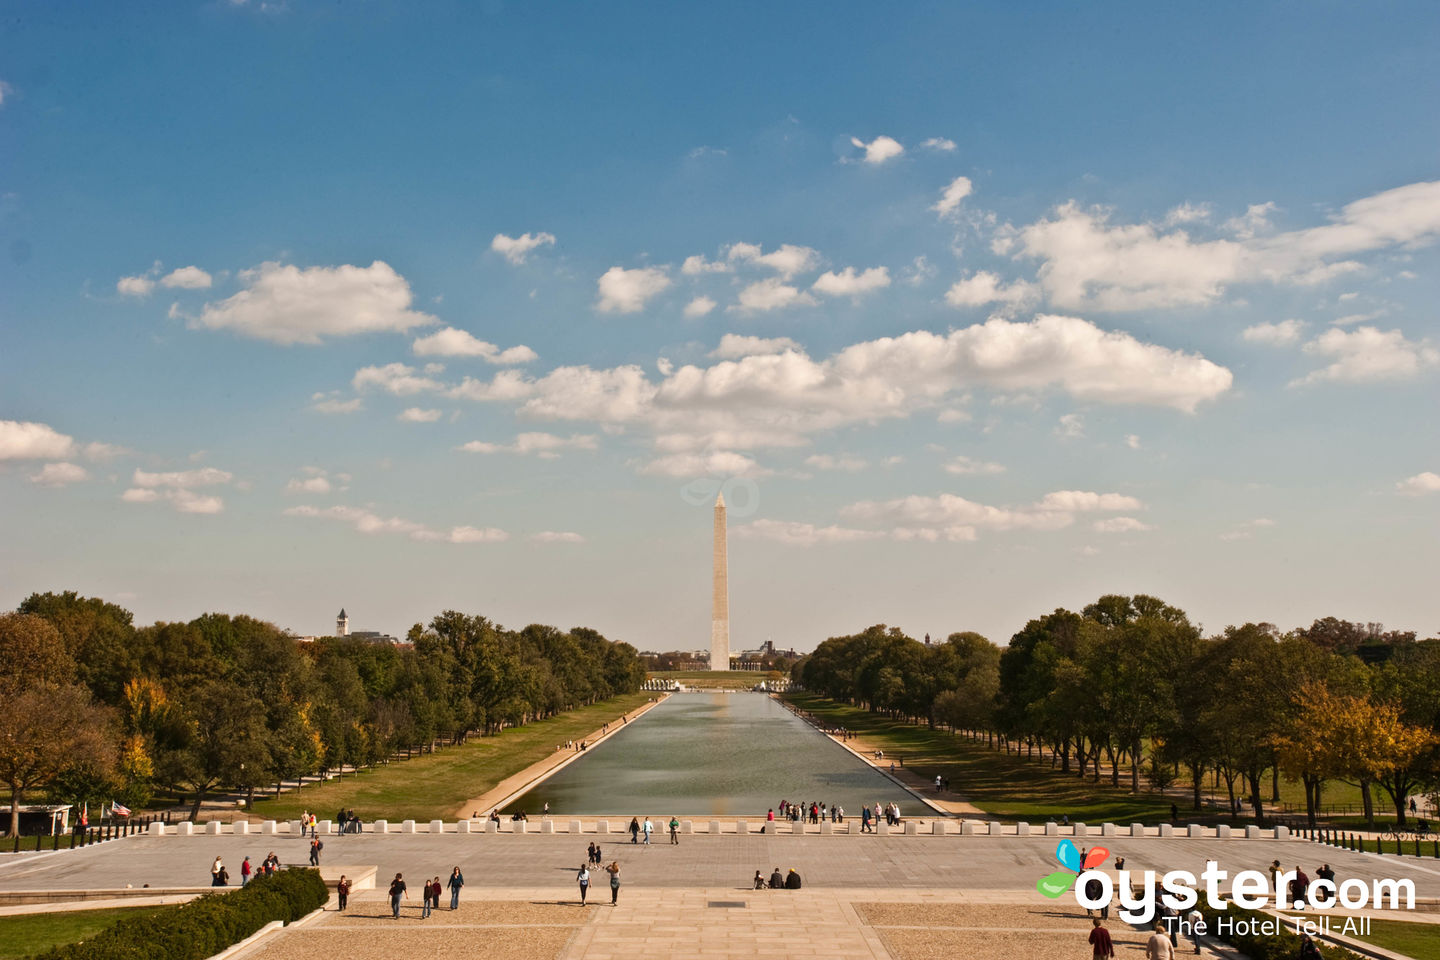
x=413, y=943
x=364, y=913
x=1041, y=916
x=947, y=944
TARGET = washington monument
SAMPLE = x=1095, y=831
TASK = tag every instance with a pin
x=720, y=596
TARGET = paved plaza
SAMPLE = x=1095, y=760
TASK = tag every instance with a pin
x=865, y=897
x=547, y=862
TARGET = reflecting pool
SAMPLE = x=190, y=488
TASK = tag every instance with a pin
x=713, y=754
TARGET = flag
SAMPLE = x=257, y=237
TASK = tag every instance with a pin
x=119, y=810
x=85, y=814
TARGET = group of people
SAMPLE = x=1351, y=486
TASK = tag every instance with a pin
x=582, y=877
x=575, y=745
x=777, y=881
x=1300, y=883
x=869, y=817
x=345, y=822
x=431, y=896
x=348, y=822
x=639, y=829
x=220, y=876
x=813, y=812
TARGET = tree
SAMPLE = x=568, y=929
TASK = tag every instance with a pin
x=48, y=728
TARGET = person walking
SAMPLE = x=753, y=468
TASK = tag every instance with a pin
x=614, y=871
x=649, y=829
x=864, y=819
x=1101, y=946
x=634, y=830
x=397, y=891
x=215, y=869
x=674, y=831
x=315, y=847
x=590, y=854
x=1196, y=919
x=1158, y=947
x=342, y=891
x=456, y=881
x=425, y=900
x=245, y=871
x=583, y=878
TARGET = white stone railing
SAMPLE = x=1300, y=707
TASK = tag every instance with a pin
x=619, y=828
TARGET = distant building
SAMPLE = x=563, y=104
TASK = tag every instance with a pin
x=342, y=624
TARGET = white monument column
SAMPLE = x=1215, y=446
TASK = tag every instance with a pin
x=720, y=597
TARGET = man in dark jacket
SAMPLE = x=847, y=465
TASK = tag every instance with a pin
x=777, y=882
x=792, y=882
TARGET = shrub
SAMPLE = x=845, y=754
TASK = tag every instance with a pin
x=200, y=928
x=1284, y=945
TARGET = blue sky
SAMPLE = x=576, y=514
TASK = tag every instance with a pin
x=973, y=311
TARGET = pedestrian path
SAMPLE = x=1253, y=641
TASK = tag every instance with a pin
x=705, y=923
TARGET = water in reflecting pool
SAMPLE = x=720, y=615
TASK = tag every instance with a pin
x=713, y=754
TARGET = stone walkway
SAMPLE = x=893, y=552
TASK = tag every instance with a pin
x=700, y=924
x=503, y=791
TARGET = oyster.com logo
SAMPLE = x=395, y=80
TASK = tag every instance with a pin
x=1055, y=884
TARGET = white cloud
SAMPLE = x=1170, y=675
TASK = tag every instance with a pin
x=627, y=291
x=880, y=149
x=964, y=466
x=788, y=259
x=1350, y=319
x=951, y=517
x=698, y=307
x=287, y=305
x=418, y=415
x=771, y=294
x=1132, y=441
x=1281, y=334
x=955, y=191
x=733, y=346
x=136, y=286
x=182, y=479
x=780, y=399
x=1086, y=261
x=23, y=440
x=985, y=287
x=844, y=464
x=331, y=403
x=544, y=445
x=939, y=143
x=1255, y=219
x=799, y=534
x=103, y=452
x=1419, y=484
x=393, y=378
x=5, y=91
x=697, y=265
x=59, y=475
x=1120, y=525
x=187, y=278
x=177, y=487
x=1071, y=426
x=369, y=522
x=516, y=249
x=556, y=536
x=1188, y=213
x=451, y=342
x=312, y=484
x=919, y=271
x=1366, y=355
x=717, y=463
x=848, y=283
x=952, y=415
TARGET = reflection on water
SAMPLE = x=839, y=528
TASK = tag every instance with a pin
x=712, y=754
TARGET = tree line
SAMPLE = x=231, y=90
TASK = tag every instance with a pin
x=1131, y=682
x=98, y=709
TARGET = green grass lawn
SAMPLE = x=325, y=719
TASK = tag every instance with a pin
x=1006, y=787
x=434, y=786
x=26, y=934
x=1421, y=941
